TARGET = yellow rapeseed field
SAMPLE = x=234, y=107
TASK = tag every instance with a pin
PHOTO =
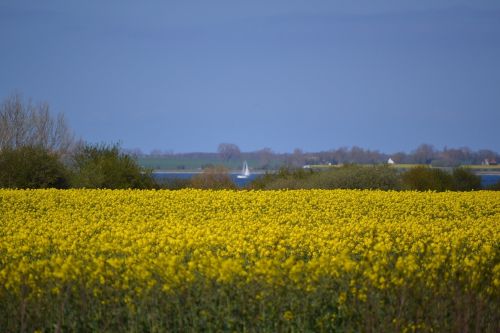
x=201, y=260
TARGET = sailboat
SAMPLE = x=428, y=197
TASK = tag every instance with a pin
x=245, y=172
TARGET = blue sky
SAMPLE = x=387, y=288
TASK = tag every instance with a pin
x=311, y=74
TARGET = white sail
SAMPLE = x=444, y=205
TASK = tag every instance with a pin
x=245, y=172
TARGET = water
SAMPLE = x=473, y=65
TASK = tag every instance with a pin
x=486, y=180
x=240, y=182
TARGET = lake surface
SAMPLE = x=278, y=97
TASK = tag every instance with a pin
x=486, y=180
x=187, y=175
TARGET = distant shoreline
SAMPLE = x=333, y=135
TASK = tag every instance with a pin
x=487, y=173
x=262, y=172
x=160, y=171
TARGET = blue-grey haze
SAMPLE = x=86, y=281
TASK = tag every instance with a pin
x=313, y=74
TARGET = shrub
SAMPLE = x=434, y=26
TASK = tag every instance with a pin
x=424, y=179
x=285, y=176
x=104, y=166
x=465, y=180
x=213, y=178
x=345, y=177
x=173, y=183
x=31, y=167
x=380, y=177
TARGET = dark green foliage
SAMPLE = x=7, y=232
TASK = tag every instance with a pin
x=423, y=178
x=209, y=306
x=465, y=180
x=283, y=175
x=379, y=177
x=31, y=167
x=104, y=166
x=345, y=177
x=173, y=183
x=216, y=178
x=371, y=177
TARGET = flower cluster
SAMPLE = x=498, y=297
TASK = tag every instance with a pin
x=317, y=258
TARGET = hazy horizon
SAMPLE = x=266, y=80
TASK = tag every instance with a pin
x=159, y=151
x=315, y=75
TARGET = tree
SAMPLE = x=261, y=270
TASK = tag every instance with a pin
x=400, y=157
x=104, y=166
x=486, y=154
x=265, y=156
x=24, y=124
x=297, y=158
x=31, y=167
x=424, y=154
x=228, y=151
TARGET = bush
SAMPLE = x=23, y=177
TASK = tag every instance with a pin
x=285, y=176
x=425, y=179
x=31, y=167
x=345, y=177
x=173, y=183
x=465, y=180
x=104, y=166
x=380, y=177
x=216, y=178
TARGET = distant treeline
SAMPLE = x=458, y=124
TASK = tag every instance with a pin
x=348, y=176
x=38, y=150
x=101, y=166
x=266, y=159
